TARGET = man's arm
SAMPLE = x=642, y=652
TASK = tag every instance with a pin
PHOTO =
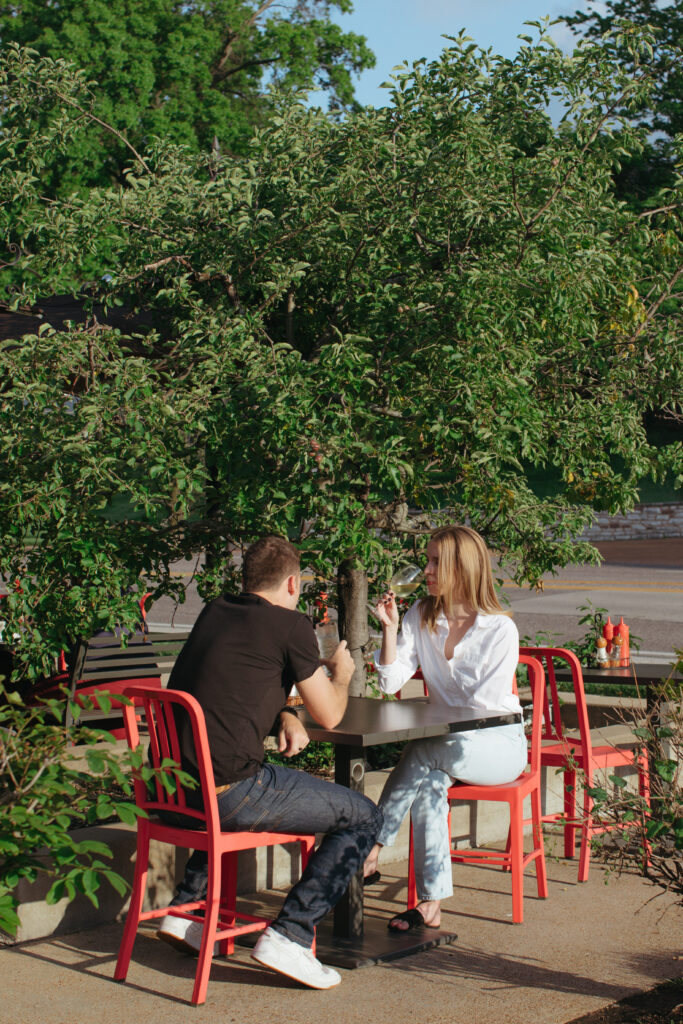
x=325, y=697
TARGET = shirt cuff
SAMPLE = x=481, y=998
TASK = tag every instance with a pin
x=391, y=677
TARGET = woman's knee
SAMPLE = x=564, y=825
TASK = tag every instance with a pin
x=433, y=791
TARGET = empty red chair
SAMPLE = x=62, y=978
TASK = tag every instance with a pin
x=221, y=919
x=513, y=858
x=581, y=752
x=416, y=675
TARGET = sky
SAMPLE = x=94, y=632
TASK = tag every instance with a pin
x=405, y=30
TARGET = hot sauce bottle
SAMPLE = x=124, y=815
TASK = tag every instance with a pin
x=622, y=630
x=608, y=633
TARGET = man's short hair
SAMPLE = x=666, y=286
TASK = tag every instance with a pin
x=267, y=562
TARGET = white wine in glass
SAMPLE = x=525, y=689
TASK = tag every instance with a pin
x=405, y=580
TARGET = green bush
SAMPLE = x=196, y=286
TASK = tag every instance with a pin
x=45, y=793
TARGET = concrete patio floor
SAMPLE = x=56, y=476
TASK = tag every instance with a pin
x=585, y=947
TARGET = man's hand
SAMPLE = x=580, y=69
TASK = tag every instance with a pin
x=292, y=737
x=341, y=664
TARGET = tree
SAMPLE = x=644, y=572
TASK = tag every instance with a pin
x=661, y=111
x=664, y=109
x=191, y=73
x=358, y=330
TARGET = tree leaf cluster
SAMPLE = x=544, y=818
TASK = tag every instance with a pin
x=355, y=331
x=193, y=73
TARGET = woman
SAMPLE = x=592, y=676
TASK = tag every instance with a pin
x=468, y=652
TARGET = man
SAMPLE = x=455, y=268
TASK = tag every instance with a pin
x=242, y=658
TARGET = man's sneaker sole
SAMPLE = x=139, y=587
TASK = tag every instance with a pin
x=280, y=954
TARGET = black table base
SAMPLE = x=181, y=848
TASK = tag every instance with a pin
x=376, y=945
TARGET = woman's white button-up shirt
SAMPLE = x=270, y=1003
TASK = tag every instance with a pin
x=477, y=678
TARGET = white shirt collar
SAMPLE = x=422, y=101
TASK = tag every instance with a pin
x=482, y=621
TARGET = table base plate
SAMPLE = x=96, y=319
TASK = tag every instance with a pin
x=378, y=944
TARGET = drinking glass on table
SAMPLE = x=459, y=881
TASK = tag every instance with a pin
x=405, y=580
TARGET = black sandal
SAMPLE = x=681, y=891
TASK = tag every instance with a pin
x=413, y=918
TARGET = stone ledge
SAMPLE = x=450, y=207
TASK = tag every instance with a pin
x=656, y=520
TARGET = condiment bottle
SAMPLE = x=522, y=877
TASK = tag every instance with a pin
x=615, y=653
x=601, y=651
x=608, y=633
x=622, y=630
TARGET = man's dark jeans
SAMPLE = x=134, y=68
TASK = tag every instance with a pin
x=279, y=799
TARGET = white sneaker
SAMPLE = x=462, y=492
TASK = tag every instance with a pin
x=183, y=934
x=281, y=954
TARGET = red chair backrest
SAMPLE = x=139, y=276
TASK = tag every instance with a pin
x=553, y=728
x=158, y=709
x=536, y=678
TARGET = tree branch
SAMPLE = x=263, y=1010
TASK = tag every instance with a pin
x=108, y=127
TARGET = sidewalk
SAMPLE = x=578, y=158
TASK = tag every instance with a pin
x=582, y=949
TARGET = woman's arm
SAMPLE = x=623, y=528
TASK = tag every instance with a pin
x=397, y=660
x=387, y=613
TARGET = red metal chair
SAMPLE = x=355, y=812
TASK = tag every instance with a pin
x=416, y=675
x=221, y=917
x=585, y=753
x=513, y=858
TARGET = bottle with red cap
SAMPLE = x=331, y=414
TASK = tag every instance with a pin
x=608, y=633
x=622, y=630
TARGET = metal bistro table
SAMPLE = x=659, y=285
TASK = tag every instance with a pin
x=368, y=722
x=645, y=675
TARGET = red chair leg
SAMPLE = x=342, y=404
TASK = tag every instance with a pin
x=586, y=829
x=213, y=895
x=569, y=780
x=537, y=834
x=228, y=900
x=644, y=792
x=412, y=885
x=135, y=908
x=516, y=859
x=508, y=847
x=644, y=776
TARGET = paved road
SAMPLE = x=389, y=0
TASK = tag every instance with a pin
x=641, y=580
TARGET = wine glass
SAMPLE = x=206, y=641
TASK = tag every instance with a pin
x=406, y=579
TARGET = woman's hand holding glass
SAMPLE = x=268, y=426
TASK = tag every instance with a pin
x=387, y=612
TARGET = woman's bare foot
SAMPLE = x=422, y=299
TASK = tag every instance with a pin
x=370, y=865
x=430, y=910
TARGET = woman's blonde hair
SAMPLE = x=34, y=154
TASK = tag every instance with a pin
x=463, y=575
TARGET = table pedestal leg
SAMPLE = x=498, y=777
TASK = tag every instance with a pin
x=349, y=771
x=353, y=941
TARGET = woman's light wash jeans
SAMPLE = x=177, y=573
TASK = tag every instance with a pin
x=420, y=782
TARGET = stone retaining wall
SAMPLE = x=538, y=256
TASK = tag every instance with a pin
x=664, y=519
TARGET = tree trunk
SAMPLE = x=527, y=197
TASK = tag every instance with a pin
x=352, y=587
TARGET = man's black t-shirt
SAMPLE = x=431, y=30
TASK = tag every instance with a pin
x=240, y=662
